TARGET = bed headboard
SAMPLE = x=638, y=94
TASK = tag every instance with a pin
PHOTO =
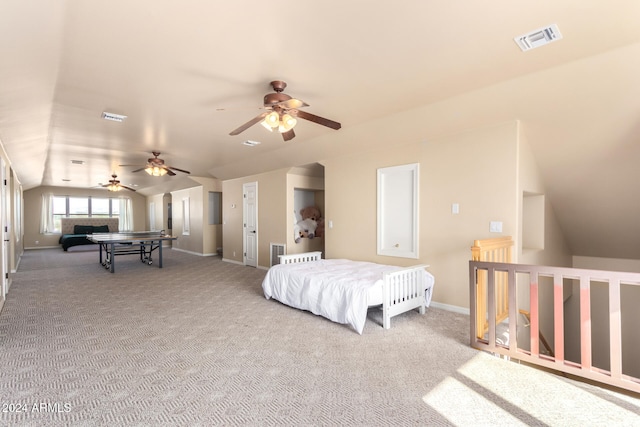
x=67, y=224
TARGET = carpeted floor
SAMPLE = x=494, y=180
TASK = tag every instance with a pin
x=196, y=343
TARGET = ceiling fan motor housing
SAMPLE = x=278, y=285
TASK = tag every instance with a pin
x=274, y=98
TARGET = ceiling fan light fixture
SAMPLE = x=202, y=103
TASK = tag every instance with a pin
x=287, y=123
x=114, y=187
x=272, y=119
x=266, y=125
x=155, y=171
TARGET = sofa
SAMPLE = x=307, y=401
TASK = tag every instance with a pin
x=75, y=230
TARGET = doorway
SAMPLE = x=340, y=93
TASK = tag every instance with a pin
x=250, y=223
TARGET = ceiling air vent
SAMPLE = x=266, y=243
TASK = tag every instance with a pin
x=114, y=117
x=538, y=37
x=250, y=143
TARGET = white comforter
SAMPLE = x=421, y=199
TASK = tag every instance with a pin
x=340, y=290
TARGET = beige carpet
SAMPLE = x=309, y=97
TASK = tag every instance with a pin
x=196, y=343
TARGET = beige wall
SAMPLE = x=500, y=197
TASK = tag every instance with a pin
x=212, y=233
x=158, y=208
x=193, y=241
x=17, y=217
x=273, y=218
x=475, y=169
x=203, y=238
x=33, y=208
x=556, y=252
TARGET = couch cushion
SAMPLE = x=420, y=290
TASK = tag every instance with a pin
x=100, y=228
x=82, y=229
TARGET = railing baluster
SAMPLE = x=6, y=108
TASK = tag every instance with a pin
x=491, y=297
x=534, y=311
x=615, y=328
x=513, y=310
x=558, y=318
x=585, y=323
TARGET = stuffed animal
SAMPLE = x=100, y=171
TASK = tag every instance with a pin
x=312, y=212
x=304, y=228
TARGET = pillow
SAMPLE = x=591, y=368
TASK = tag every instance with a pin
x=82, y=229
x=101, y=229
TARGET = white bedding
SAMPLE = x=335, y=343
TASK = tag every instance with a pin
x=338, y=289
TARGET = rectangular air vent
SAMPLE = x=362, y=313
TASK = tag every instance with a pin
x=538, y=37
x=277, y=249
x=250, y=143
x=114, y=117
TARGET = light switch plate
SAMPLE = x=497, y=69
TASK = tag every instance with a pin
x=495, y=227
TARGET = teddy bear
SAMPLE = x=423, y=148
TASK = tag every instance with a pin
x=304, y=228
x=312, y=212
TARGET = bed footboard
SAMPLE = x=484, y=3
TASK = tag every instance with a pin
x=304, y=257
x=403, y=291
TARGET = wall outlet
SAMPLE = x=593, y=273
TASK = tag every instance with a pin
x=37, y=242
x=495, y=227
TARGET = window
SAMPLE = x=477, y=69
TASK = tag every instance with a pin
x=56, y=207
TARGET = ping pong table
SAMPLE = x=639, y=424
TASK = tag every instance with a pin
x=141, y=243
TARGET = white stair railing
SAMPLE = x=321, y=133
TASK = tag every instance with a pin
x=614, y=376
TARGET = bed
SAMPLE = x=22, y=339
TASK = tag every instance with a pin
x=75, y=230
x=342, y=290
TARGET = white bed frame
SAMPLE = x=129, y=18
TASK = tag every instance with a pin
x=403, y=290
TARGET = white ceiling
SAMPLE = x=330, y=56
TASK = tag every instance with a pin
x=186, y=73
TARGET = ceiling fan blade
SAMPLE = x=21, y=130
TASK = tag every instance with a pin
x=317, y=119
x=170, y=172
x=289, y=135
x=128, y=188
x=250, y=123
x=177, y=169
x=292, y=103
x=137, y=170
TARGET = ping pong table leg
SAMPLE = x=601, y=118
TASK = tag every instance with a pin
x=113, y=257
x=160, y=254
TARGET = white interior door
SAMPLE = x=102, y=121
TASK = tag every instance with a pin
x=4, y=212
x=250, y=223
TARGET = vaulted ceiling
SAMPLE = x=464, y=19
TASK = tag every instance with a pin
x=186, y=73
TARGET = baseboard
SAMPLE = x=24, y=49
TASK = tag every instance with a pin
x=191, y=252
x=453, y=308
x=42, y=247
x=232, y=261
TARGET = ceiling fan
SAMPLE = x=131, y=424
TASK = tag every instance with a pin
x=156, y=167
x=114, y=184
x=281, y=112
